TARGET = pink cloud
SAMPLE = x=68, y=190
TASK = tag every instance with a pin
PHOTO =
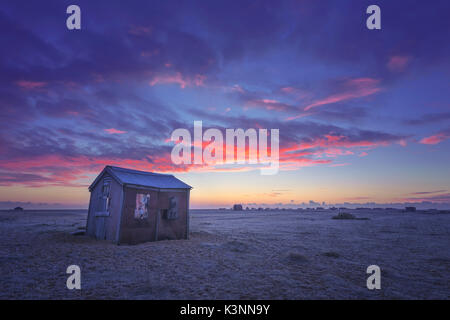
x=354, y=88
x=268, y=104
x=300, y=115
x=339, y=164
x=178, y=78
x=140, y=30
x=199, y=80
x=237, y=88
x=435, y=139
x=30, y=85
x=114, y=131
x=295, y=92
x=150, y=53
x=288, y=89
x=398, y=63
x=334, y=152
x=358, y=88
x=328, y=146
x=357, y=198
x=295, y=163
x=339, y=141
x=439, y=198
x=73, y=171
x=363, y=154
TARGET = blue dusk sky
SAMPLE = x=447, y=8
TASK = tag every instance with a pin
x=363, y=115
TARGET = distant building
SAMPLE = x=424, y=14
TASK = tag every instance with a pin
x=130, y=206
x=237, y=207
x=410, y=209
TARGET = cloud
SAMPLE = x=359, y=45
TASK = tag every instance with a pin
x=363, y=154
x=353, y=88
x=177, y=78
x=115, y=131
x=59, y=90
x=398, y=63
x=354, y=204
x=30, y=85
x=441, y=198
x=427, y=192
x=339, y=164
x=435, y=139
x=269, y=105
x=140, y=30
x=429, y=118
x=8, y=205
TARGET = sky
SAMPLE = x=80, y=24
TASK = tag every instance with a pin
x=363, y=115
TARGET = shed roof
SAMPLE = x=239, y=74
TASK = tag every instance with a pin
x=142, y=178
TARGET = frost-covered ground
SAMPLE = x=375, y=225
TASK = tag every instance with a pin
x=244, y=255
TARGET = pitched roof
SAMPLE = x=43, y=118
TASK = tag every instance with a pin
x=142, y=178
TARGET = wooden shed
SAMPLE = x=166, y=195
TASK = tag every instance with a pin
x=130, y=206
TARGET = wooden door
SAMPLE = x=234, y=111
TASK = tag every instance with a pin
x=100, y=230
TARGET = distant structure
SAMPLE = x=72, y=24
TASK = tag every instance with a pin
x=237, y=207
x=130, y=206
x=410, y=209
x=18, y=209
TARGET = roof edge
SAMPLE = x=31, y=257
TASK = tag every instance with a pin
x=110, y=170
x=106, y=169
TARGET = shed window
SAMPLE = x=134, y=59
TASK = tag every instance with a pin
x=142, y=205
x=172, y=212
x=106, y=196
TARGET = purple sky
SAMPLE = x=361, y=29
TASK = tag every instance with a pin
x=364, y=115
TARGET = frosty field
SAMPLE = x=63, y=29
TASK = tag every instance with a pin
x=232, y=255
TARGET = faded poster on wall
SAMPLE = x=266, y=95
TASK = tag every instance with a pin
x=142, y=204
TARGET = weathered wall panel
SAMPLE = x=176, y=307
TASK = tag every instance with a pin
x=172, y=229
x=111, y=222
x=138, y=230
x=135, y=231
